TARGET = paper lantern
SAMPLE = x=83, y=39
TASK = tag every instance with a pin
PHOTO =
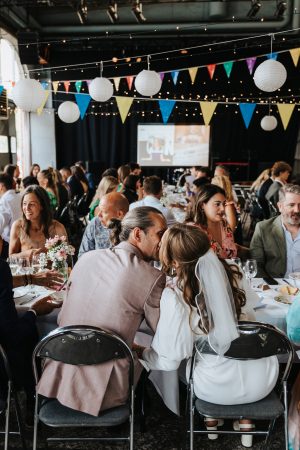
x=270, y=75
x=101, y=89
x=28, y=94
x=268, y=123
x=68, y=112
x=148, y=82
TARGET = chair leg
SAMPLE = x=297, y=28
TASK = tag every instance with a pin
x=7, y=416
x=267, y=440
x=285, y=400
x=19, y=419
x=131, y=423
x=35, y=426
x=191, y=409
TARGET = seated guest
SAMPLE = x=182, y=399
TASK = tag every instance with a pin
x=111, y=172
x=71, y=183
x=118, y=291
x=262, y=177
x=152, y=194
x=97, y=234
x=79, y=174
x=261, y=195
x=34, y=170
x=276, y=242
x=132, y=190
x=208, y=211
x=280, y=172
x=88, y=175
x=223, y=171
x=29, y=181
x=13, y=171
x=135, y=169
x=47, y=182
x=123, y=172
x=224, y=182
x=198, y=183
x=106, y=185
x=29, y=233
x=200, y=172
x=10, y=210
x=62, y=191
x=209, y=297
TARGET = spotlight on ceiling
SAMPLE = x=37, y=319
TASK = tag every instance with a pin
x=137, y=11
x=82, y=11
x=280, y=9
x=112, y=12
x=255, y=7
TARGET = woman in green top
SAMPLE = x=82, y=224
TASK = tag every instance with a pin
x=106, y=185
x=47, y=181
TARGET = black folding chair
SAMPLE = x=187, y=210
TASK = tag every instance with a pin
x=83, y=345
x=5, y=407
x=257, y=340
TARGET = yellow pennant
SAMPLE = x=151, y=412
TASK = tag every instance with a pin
x=40, y=108
x=285, y=111
x=117, y=83
x=193, y=72
x=124, y=104
x=55, y=86
x=208, y=108
x=295, y=53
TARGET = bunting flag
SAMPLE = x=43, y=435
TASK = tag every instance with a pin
x=295, y=52
x=44, y=84
x=55, y=86
x=211, y=70
x=124, y=104
x=78, y=86
x=207, y=108
x=67, y=86
x=174, y=75
x=13, y=84
x=117, y=82
x=129, y=82
x=83, y=101
x=1, y=89
x=247, y=110
x=42, y=106
x=251, y=63
x=193, y=72
x=228, y=67
x=272, y=56
x=88, y=82
x=166, y=107
x=162, y=76
x=285, y=112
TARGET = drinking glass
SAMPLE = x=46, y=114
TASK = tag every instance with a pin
x=237, y=261
x=250, y=269
x=26, y=269
x=35, y=264
x=13, y=264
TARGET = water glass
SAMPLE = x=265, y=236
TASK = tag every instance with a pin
x=13, y=264
x=35, y=264
x=250, y=269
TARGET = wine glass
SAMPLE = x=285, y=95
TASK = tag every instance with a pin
x=250, y=269
x=237, y=261
x=26, y=269
x=13, y=264
x=35, y=264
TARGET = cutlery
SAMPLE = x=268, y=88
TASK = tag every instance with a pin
x=287, y=282
x=29, y=300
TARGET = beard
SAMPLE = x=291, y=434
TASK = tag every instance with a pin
x=292, y=219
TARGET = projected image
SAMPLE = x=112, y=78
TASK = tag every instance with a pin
x=173, y=145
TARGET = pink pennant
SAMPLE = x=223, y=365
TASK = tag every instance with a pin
x=162, y=75
x=211, y=70
x=129, y=81
x=251, y=63
x=67, y=86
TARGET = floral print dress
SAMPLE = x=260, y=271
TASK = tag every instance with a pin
x=228, y=248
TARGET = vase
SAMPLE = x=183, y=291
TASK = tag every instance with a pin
x=61, y=267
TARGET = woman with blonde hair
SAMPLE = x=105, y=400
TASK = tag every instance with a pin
x=123, y=172
x=106, y=185
x=47, y=180
x=224, y=182
x=264, y=175
x=207, y=299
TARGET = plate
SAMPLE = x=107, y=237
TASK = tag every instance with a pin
x=20, y=291
x=285, y=299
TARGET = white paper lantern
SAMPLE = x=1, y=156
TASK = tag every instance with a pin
x=101, y=89
x=268, y=123
x=68, y=112
x=148, y=82
x=28, y=94
x=270, y=75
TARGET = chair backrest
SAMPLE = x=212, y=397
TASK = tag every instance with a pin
x=82, y=345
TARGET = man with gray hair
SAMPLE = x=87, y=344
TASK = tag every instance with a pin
x=114, y=289
x=276, y=242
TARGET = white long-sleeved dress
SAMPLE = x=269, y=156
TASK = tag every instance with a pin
x=216, y=379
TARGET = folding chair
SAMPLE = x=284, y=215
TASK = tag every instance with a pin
x=5, y=407
x=83, y=345
x=257, y=340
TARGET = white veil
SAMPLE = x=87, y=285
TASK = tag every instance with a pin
x=219, y=301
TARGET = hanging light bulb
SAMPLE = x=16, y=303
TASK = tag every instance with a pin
x=148, y=82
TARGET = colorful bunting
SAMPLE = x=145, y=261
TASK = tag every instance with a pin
x=193, y=72
x=247, y=110
x=228, y=67
x=1, y=89
x=44, y=84
x=83, y=101
x=55, y=86
x=78, y=86
x=88, y=82
x=124, y=104
x=42, y=106
x=13, y=84
x=285, y=112
x=295, y=52
x=272, y=56
x=117, y=82
x=67, y=85
x=251, y=63
x=207, y=108
x=174, y=75
x=162, y=76
x=129, y=82
x=211, y=70
x=166, y=107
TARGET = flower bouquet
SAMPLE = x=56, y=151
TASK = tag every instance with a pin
x=58, y=250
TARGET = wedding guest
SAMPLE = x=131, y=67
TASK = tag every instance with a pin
x=79, y=174
x=200, y=172
x=111, y=172
x=123, y=172
x=29, y=234
x=223, y=182
x=135, y=169
x=71, y=183
x=88, y=175
x=29, y=181
x=106, y=185
x=132, y=190
x=13, y=171
x=34, y=170
x=281, y=172
x=198, y=183
x=263, y=176
x=10, y=210
x=47, y=182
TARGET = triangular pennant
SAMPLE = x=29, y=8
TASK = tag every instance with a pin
x=78, y=86
x=228, y=68
x=44, y=84
x=40, y=108
x=88, y=82
x=83, y=101
x=1, y=89
x=272, y=56
x=129, y=80
x=166, y=107
x=285, y=111
x=124, y=104
x=208, y=108
x=162, y=75
x=247, y=110
x=117, y=82
x=211, y=70
x=67, y=86
x=174, y=75
x=251, y=63
x=13, y=84
x=295, y=52
x=55, y=86
x=193, y=72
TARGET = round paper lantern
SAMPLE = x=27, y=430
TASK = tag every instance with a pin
x=28, y=94
x=268, y=123
x=270, y=75
x=148, y=83
x=68, y=112
x=101, y=89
